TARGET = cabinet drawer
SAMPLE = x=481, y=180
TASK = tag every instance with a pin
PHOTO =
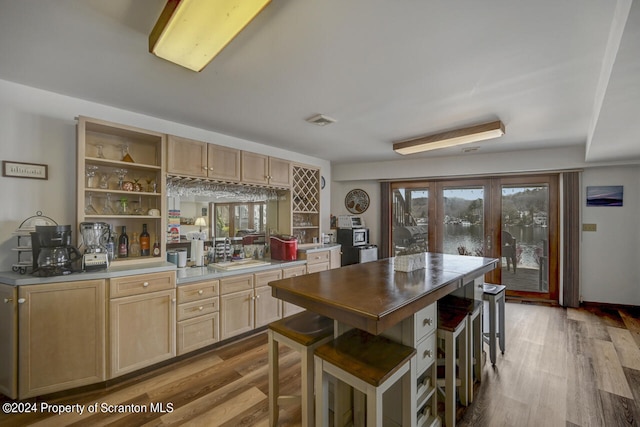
x=426, y=321
x=316, y=267
x=198, y=332
x=426, y=352
x=141, y=284
x=198, y=308
x=262, y=279
x=198, y=291
x=236, y=283
x=318, y=257
x=300, y=270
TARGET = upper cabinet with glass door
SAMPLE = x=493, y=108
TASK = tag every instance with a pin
x=120, y=179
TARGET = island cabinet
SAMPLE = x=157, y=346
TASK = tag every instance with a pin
x=299, y=270
x=246, y=302
x=321, y=260
x=188, y=157
x=264, y=170
x=9, y=341
x=142, y=321
x=198, y=315
x=61, y=336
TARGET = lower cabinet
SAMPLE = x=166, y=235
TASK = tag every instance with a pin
x=9, y=341
x=142, y=324
x=268, y=309
x=198, y=315
x=287, y=308
x=61, y=336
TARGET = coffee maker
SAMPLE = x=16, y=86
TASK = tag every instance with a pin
x=95, y=236
x=53, y=254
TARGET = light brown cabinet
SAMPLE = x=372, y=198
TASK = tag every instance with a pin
x=198, y=315
x=265, y=170
x=189, y=157
x=9, y=341
x=287, y=308
x=120, y=179
x=142, y=321
x=305, y=203
x=316, y=260
x=268, y=309
x=61, y=336
x=236, y=305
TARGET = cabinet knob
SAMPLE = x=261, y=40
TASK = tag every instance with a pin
x=8, y=300
x=204, y=168
x=145, y=284
x=173, y=300
x=200, y=292
x=257, y=296
x=200, y=308
x=21, y=300
x=427, y=322
x=210, y=169
x=427, y=353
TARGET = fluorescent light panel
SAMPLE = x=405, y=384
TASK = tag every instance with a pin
x=451, y=138
x=191, y=33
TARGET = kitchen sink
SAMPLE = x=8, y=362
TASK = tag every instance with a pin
x=240, y=264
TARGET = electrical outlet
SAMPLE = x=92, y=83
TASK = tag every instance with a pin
x=589, y=227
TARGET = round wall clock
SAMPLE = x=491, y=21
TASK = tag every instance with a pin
x=322, y=183
x=356, y=201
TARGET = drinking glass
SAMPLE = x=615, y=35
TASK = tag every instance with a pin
x=100, y=154
x=108, y=209
x=90, y=210
x=120, y=173
x=91, y=173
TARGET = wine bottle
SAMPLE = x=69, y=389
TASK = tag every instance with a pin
x=123, y=244
x=145, y=242
x=156, y=247
x=134, y=248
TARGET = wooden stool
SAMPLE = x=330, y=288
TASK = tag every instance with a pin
x=370, y=364
x=452, y=328
x=474, y=333
x=302, y=332
x=495, y=294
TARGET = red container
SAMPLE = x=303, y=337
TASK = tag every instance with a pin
x=284, y=248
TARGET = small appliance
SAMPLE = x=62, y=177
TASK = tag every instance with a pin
x=284, y=248
x=353, y=236
x=53, y=254
x=95, y=236
x=350, y=221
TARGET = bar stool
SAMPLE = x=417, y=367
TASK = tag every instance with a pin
x=370, y=364
x=495, y=295
x=474, y=333
x=452, y=329
x=302, y=332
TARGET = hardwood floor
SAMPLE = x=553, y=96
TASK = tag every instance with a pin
x=562, y=367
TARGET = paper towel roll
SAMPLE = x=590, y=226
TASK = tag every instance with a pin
x=197, y=252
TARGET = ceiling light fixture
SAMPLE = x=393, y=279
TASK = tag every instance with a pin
x=450, y=138
x=191, y=33
x=320, y=120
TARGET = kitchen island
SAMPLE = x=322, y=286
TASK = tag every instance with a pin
x=400, y=305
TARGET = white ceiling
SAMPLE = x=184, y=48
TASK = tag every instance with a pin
x=557, y=73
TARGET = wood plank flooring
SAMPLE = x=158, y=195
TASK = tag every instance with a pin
x=562, y=367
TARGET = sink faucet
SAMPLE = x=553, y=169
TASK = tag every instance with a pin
x=227, y=241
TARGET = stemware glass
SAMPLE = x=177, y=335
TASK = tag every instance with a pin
x=90, y=209
x=149, y=180
x=100, y=154
x=120, y=173
x=91, y=174
x=137, y=207
x=108, y=209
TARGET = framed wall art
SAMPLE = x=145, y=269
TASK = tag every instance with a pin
x=604, y=195
x=24, y=170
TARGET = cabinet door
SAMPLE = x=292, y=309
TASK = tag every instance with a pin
x=255, y=168
x=224, y=163
x=335, y=258
x=142, y=330
x=236, y=313
x=268, y=308
x=9, y=341
x=279, y=172
x=186, y=156
x=287, y=308
x=198, y=332
x=62, y=336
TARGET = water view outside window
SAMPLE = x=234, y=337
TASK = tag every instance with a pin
x=410, y=212
x=463, y=221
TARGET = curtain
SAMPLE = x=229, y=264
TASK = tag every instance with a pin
x=385, y=219
x=571, y=239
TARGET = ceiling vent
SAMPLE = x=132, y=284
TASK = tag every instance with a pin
x=321, y=120
x=470, y=149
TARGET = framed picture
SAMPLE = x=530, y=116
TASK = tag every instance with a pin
x=604, y=195
x=24, y=170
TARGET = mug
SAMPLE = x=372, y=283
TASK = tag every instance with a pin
x=154, y=212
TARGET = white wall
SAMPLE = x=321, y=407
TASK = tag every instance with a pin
x=38, y=126
x=610, y=257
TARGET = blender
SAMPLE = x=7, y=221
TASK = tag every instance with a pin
x=95, y=236
x=53, y=254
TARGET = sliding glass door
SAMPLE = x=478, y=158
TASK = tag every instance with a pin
x=514, y=219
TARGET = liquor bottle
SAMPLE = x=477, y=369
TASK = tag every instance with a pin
x=156, y=247
x=145, y=242
x=123, y=244
x=134, y=248
x=111, y=248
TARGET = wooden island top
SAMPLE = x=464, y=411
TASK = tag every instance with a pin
x=372, y=296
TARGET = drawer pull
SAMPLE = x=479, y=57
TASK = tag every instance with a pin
x=200, y=292
x=8, y=300
x=200, y=308
x=21, y=300
x=427, y=354
x=145, y=284
x=427, y=322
